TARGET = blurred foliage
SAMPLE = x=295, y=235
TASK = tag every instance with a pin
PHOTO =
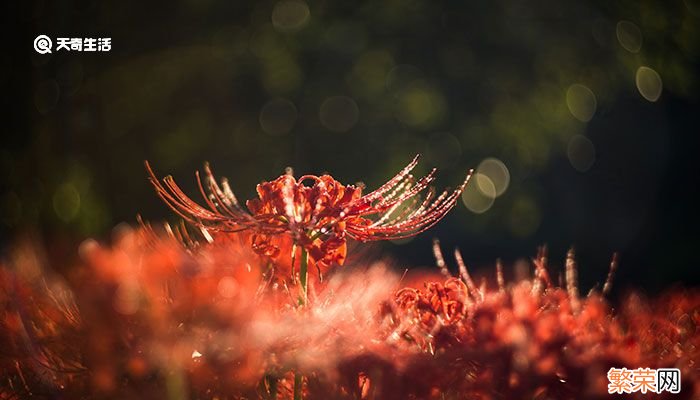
x=564, y=93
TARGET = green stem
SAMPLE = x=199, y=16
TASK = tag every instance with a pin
x=304, y=275
x=303, y=280
x=270, y=386
x=298, y=381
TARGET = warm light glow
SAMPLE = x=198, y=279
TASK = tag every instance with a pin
x=127, y=298
x=227, y=287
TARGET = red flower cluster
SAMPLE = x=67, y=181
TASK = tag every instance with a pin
x=318, y=217
x=149, y=318
x=531, y=339
x=156, y=316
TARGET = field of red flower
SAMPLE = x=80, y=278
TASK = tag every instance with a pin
x=218, y=310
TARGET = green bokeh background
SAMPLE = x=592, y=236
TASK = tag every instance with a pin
x=356, y=89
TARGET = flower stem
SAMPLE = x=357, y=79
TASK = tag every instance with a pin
x=298, y=381
x=304, y=275
x=270, y=387
x=303, y=280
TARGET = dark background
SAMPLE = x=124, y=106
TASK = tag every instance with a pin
x=243, y=85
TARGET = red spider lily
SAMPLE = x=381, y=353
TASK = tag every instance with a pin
x=144, y=313
x=319, y=216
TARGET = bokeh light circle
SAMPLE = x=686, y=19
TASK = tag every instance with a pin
x=649, y=83
x=66, y=202
x=420, y=105
x=498, y=174
x=581, y=102
x=339, y=113
x=290, y=15
x=479, y=197
x=629, y=36
x=278, y=117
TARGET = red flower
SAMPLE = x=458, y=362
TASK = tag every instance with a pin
x=319, y=215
